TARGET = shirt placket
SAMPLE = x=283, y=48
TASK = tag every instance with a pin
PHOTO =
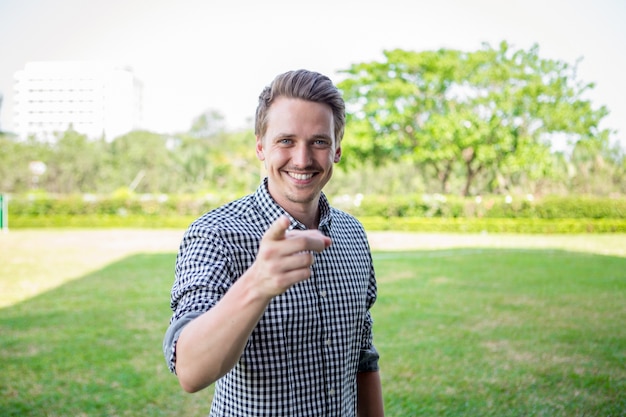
x=327, y=341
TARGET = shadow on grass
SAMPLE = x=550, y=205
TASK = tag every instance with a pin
x=461, y=332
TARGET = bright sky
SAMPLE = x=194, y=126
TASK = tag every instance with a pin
x=197, y=55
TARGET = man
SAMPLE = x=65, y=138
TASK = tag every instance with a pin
x=272, y=292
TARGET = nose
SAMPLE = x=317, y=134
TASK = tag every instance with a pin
x=301, y=156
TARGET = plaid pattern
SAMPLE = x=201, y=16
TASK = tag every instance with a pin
x=302, y=358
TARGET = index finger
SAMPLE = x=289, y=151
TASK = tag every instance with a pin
x=277, y=230
x=311, y=235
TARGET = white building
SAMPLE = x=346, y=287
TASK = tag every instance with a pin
x=94, y=98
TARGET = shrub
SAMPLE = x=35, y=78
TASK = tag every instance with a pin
x=431, y=212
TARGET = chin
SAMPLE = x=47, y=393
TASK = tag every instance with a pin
x=302, y=198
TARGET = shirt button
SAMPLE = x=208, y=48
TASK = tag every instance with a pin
x=323, y=294
x=331, y=392
x=327, y=342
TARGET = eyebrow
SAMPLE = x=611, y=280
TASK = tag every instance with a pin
x=322, y=136
x=292, y=135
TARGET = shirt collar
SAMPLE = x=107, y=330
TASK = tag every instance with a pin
x=272, y=210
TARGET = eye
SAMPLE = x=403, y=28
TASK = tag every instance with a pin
x=321, y=142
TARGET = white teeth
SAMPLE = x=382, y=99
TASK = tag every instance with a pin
x=300, y=176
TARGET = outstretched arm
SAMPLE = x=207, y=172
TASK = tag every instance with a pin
x=210, y=345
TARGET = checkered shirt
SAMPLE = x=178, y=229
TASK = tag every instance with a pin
x=303, y=356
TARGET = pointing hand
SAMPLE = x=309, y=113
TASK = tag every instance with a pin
x=285, y=257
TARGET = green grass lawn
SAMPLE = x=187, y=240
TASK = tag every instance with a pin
x=461, y=332
x=502, y=333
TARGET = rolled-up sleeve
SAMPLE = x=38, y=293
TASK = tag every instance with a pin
x=368, y=355
x=368, y=360
x=171, y=337
x=201, y=279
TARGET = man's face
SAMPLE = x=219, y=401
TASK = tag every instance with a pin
x=299, y=150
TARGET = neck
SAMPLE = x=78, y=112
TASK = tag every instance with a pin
x=310, y=216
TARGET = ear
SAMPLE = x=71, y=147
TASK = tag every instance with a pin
x=337, y=157
x=259, y=149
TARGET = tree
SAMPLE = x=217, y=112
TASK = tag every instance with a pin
x=596, y=169
x=143, y=163
x=73, y=163
x=208, y=124
x=15, y=157
x=490, y=113
x=211, y=158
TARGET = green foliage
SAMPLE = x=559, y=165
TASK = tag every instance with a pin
x=371, y=223
x=494, y=225
x=208, y=124
x=488, y=113
x=424, y=213
x=140, y=161
x=445, y=121
x=410, y=205
x=451, y=206
x=120, y=205
x=143, y=160
x=103, y=221
x=14, y=159
x=74, y=164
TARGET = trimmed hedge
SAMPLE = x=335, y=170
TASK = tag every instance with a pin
x=421, y=213
x=100, y=221
x=463, y=225
x=163, y=205
x=427, y=205
x=406, y=224
x=549, y=207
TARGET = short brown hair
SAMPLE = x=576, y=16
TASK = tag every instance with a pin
x=305, y=85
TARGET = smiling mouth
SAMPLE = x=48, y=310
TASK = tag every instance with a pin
x=300, y=177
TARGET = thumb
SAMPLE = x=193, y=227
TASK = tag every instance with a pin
x=277, y=230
